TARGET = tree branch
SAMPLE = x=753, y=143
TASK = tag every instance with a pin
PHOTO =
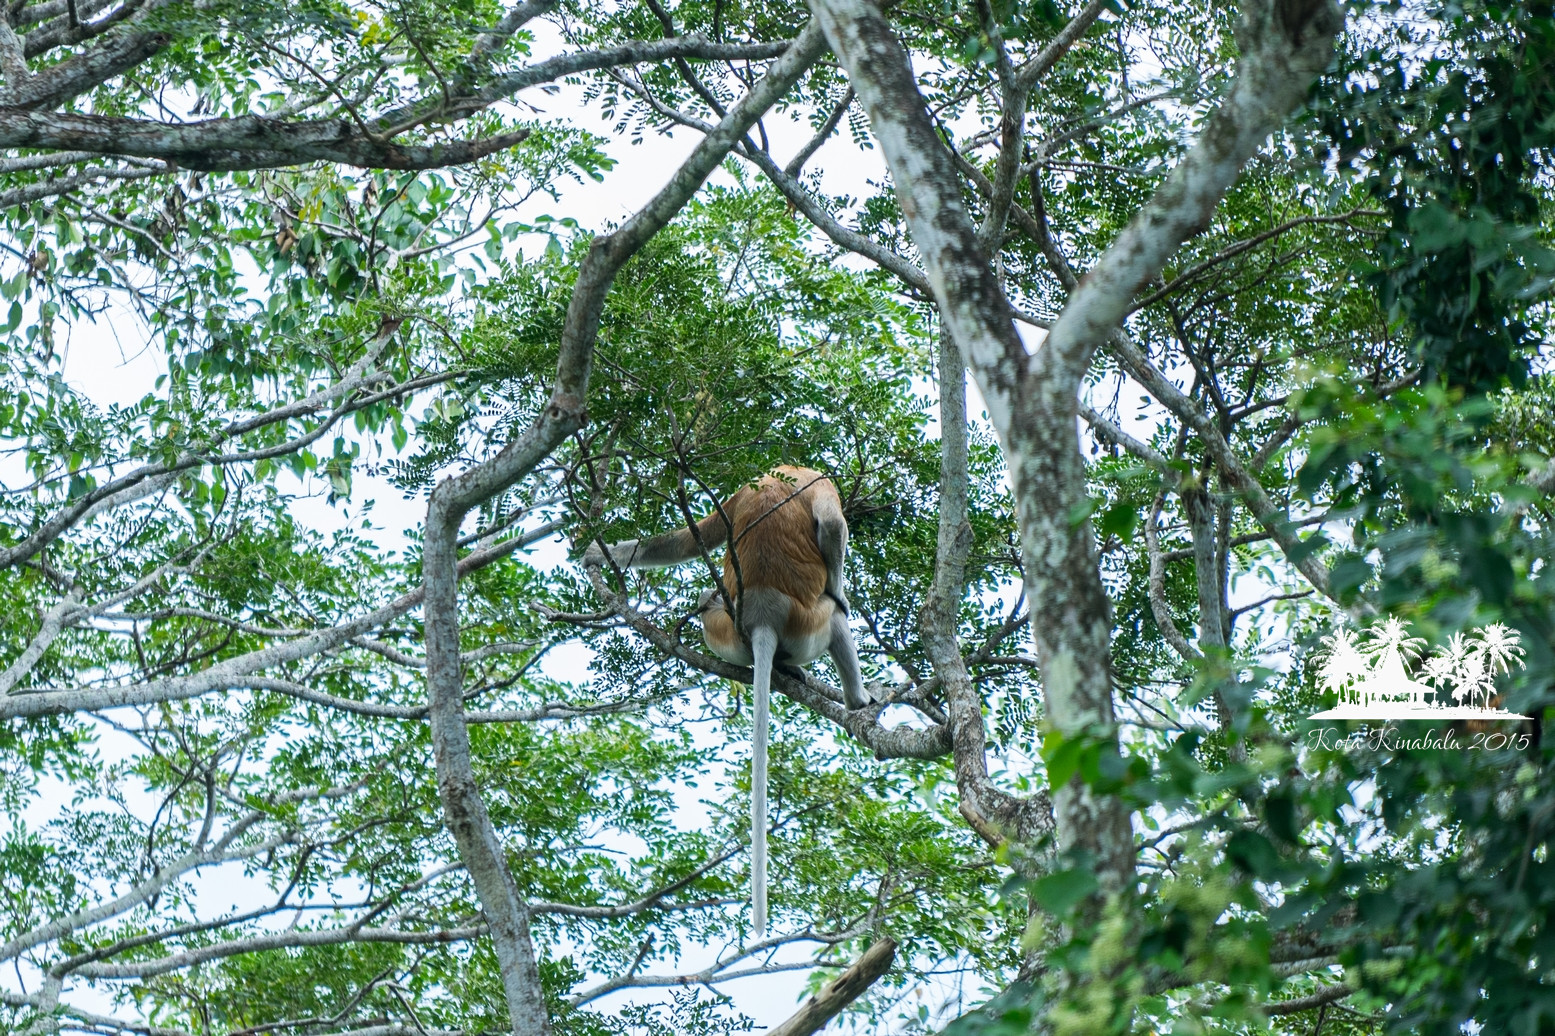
x=1326, y=995
x=902, y=742
x=244, y=142
x=841, y=991
x=13, y=60
x=235, y=671
x=821, y=135
x=986, y=807
x=1159, y=609
x=28, y=193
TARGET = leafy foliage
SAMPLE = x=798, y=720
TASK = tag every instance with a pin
x=224, y=817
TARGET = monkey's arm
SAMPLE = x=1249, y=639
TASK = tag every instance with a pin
x=667, y=548
x=831, y=536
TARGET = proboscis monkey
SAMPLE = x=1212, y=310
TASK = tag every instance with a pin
x=784, y=577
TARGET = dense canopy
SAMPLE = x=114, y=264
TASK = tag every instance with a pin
x=1153, y=349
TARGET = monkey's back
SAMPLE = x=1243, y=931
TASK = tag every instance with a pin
x=774, y=534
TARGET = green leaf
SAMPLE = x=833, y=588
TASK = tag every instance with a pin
x=1118, y=521
x=1255, y=854
x=1060, y=892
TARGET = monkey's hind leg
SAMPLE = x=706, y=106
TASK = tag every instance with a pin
x=844, y=654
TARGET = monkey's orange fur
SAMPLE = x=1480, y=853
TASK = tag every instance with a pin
x=774, y=541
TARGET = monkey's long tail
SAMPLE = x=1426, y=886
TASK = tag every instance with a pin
x=763, y=649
